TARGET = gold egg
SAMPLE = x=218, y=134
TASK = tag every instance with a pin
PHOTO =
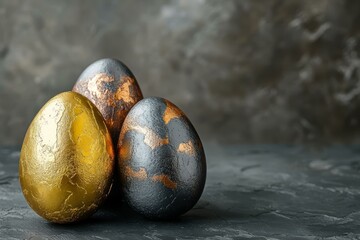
x=67, y=159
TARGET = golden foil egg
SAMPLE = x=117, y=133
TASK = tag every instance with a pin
x=112, y=87
x=67, y=159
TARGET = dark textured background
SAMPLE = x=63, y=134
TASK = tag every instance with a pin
x=243, y=71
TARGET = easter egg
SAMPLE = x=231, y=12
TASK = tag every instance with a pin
x=162, y=164
x=67, y=159
x=111, y=86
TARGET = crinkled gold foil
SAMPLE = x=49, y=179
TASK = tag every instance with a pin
x=67, y=159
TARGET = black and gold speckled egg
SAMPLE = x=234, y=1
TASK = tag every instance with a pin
x=111, y=86
x=67, y=159
x=162, y=164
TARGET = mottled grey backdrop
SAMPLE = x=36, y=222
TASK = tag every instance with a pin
x=243, y=71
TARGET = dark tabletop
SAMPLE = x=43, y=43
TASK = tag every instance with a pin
x=252, y=192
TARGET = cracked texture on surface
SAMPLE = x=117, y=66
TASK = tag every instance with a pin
x=67, y=159
x=252, y=192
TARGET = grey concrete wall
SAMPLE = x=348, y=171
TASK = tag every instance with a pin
x=244, y=71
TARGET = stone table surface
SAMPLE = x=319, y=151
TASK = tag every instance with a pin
x=252, y=192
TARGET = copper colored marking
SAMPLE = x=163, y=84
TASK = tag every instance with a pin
x=187, y=147
x=97, y=81
x=125, y=151
x=171, y=112
x=112, y=96
x=150, y=137
x=164, y=179
x=141, y=174
x=123, y=92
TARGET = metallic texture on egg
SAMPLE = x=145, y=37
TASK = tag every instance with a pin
x=162, y=164
x=112, y=87
x=67, y=159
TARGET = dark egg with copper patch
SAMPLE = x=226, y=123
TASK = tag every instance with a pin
x=111, y=86
x=162, y=163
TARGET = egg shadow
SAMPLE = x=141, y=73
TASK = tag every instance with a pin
x=236, y=205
